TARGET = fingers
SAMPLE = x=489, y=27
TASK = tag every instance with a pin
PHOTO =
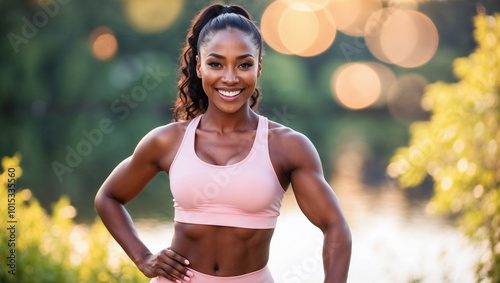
x=172, y=266
x=170, y=253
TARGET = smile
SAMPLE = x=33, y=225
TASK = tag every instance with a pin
x=229, y=93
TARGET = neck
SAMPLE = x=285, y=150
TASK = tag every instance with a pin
x=243, y=120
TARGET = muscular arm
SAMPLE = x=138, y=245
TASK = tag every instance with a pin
x=123, y=185
x=126, y=181
x=320, y=205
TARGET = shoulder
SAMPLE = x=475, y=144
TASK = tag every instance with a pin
x=165, y=135
x=160, y=141
x=288, y=137
x=297, y=147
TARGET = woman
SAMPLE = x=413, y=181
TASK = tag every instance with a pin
x=228, y=167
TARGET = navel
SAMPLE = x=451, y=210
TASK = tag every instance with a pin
x=216, y=269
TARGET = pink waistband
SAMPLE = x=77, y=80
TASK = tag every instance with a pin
x=261, y=276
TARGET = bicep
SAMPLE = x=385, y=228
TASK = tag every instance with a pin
x=316, y=199
x=130, y=177
x=314, y=195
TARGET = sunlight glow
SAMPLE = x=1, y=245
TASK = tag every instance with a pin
x=471, y=170
x=69, y=211
x=270, y=23
x=356, y=85
x=26, y=194
x=327, y=31
x=298, y=27
x=103, y=43
x=462, y=165
x=478, y=191
x=314, y=4
x=396, y=34
x=303, y=28
x=351, y=15
x=433, y=168
x=458, y=146
x=151, y=16
x=387, y=79
x=446, y=183
x=404, y=37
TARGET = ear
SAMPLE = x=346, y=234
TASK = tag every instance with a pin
x=198, y=66
x=259, y=70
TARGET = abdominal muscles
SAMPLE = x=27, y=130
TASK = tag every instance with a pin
x=222, y=251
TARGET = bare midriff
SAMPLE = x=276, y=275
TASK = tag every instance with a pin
x=220, y=250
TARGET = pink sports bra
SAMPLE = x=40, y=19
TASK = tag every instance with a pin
x=246, y=194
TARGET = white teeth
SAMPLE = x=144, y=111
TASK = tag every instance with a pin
x=229, y=93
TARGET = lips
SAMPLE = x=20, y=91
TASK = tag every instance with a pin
x=229, y=93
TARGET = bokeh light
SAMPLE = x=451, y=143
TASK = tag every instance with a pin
x=373, y=27
x=26, y=194
x=410, y=39
x=327, y=31
x=403, y=98
x=403, y=4
x=69, y=211
x=356, y=85
x=314, y=4
x=404, y=37
x=303, y=28
x=298, y=27
x=352, y=15
x=103, y=43
x=387, y=79
x=396, y=34
x=462, y=165
x=446, y=183
x=269, y=26
x=151, y=16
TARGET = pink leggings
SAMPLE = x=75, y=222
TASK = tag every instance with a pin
x=260, y=276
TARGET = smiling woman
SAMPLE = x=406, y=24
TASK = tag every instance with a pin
x=228, y=166
x=231, y=77
x=192, y=101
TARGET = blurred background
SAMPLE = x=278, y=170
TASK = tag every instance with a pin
x=374, y=84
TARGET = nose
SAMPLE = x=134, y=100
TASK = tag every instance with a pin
x=230, y=76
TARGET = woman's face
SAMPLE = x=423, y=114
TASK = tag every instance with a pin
x=228, y=65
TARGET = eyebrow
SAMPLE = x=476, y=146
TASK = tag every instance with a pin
x=222, y=57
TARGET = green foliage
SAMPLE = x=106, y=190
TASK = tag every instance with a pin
x=51, y=248
x=459, y=147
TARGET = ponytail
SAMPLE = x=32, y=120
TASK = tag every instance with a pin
x=191, y=98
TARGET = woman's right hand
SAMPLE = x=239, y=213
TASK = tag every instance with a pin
x=168, y=264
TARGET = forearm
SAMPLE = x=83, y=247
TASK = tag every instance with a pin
x=337, y=253
x=119, y=223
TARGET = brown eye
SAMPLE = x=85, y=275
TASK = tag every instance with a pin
x=214, y=64
x=246, y=65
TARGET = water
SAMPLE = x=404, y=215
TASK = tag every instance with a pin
x=392, y=240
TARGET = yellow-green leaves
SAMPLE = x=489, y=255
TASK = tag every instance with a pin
x=459, y=147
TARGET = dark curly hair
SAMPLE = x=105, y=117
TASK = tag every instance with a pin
x=191, y=98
